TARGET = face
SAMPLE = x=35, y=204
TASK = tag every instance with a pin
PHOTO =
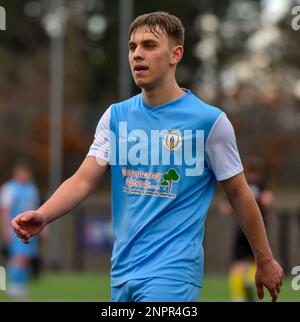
x=22, y=174
x=152, y=57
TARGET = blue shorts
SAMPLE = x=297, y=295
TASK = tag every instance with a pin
x=155, y=289
x=17, y=248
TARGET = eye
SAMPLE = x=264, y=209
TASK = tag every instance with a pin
x=150, y=45
x=132, y=47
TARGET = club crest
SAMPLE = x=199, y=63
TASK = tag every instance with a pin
x=172, y=140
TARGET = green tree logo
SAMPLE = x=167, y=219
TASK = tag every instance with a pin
x=168, y=178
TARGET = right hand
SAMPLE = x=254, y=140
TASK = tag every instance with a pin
x=28, y=224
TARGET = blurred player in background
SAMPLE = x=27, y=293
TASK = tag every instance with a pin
x=242, y=271
x=18, y=195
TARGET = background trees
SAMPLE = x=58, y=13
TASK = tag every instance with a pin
x=242, y=56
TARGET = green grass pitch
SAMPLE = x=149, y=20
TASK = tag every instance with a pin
x=95, y=287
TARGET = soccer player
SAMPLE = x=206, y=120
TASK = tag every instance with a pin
x=18, y=195
x=166, y=149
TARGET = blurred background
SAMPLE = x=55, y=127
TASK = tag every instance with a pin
x=63, y=62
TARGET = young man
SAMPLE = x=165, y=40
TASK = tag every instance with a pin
x=18, y=195
x=166, y=149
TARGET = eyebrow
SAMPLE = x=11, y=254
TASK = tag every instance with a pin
x=143, y=42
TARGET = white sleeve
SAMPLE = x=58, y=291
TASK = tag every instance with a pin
x=221, y=150
x=100, y=148
x=6, y=197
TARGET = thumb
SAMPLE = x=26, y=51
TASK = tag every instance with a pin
x=260, y=290
x=27, y=216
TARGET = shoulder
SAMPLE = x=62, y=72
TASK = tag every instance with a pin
x=210, y=110
x=122, y=105
x=7, y=187
x=7, y=193
x=222, y=130
x=122, y=110
x=127, y=103
x=205, y=114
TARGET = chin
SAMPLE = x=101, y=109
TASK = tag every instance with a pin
x=144, y=85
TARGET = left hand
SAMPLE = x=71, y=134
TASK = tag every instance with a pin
x=269, y=274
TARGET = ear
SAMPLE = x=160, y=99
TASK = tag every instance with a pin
x=176, y=54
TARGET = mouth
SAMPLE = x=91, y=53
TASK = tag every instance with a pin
x=140, y=69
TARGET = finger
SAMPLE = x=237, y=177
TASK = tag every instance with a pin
x=281, y=278
x=22, y=236
x=27, y=216
x=260, y=291
x=22, y=233
x=14, y=224
x=274, y=295
x=19, y=235
x=25, y=241
x=278, y=288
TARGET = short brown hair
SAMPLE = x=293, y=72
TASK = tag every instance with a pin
x=167, y=23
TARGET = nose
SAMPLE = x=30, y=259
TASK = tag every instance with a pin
x=138, y=53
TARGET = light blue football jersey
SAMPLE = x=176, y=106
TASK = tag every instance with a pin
x=19, y=197
x=162, y=184
x=22, y=197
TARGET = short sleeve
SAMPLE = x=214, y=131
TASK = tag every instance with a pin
x=6, y=196
x=221, y=150
x=100, y=147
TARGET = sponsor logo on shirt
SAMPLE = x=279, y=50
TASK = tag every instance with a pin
x=150, y=183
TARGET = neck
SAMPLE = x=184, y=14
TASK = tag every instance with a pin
x=162, y=94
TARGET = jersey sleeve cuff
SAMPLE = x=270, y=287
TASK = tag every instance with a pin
x=229, y=174
x=99, y=155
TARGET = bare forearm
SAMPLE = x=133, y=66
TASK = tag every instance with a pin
x=69, y=194
x=4, y=214
x=250, y=219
